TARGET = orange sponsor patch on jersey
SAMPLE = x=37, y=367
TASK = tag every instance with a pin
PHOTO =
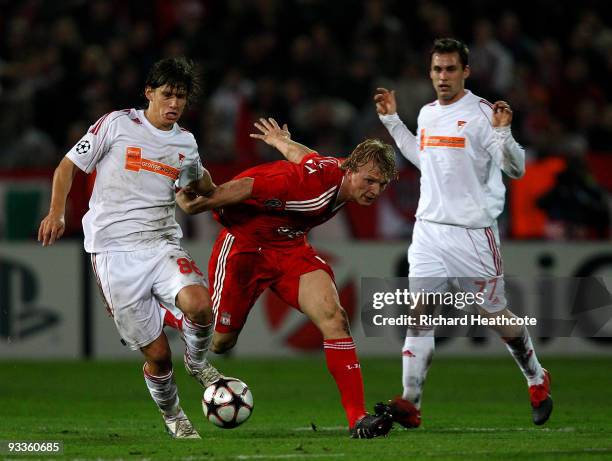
x=442, y=141
x=135, y=162
x=133, y=158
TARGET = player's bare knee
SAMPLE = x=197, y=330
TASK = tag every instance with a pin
x=195, y=304
x=334, y=322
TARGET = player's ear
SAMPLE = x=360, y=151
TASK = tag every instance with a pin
x=148, y=92
x=466, y=71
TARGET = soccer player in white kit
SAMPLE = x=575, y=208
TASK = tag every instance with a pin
x=140, y=156
x=462, y=146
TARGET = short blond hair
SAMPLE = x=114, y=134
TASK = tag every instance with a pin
x=374, y=150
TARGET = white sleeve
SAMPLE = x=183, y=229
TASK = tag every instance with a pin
x=505, y=151
x=405, y=140
x=88, y=151
x=191, y=170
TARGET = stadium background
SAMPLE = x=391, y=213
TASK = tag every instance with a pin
x=314, y=65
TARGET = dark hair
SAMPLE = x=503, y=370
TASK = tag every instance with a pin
x=178, y=73
x=374, y=150
x=451, y=45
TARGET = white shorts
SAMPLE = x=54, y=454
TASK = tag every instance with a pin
x=134, y=284
x=442, y=255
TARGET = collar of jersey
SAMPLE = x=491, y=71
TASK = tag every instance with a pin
x=156, y=131
x=465, y=97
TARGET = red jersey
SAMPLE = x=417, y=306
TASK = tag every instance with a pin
x=288, y=200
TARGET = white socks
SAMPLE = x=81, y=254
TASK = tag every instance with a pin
x=164, y=393
x=197, y=340
x=417, y=354
x=522, y=350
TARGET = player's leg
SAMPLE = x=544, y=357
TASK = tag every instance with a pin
x=223, y=342
x=490, y=280
x=159, y=378
x=124, y=279
x=197, y=332
x=427, y=274
x=518, y=342
x=318, y=299
x=181, y=283
x=417, y=355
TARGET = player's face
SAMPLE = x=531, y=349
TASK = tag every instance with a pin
x=448, y=76
x=166, y=105
x=366, y=184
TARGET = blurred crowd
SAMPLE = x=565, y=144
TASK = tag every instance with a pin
x=312, y=64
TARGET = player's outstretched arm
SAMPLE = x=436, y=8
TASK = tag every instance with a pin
x=385, y=101
x=508, y=154
x=386, y=107
x=53, y=225
x=229, y=193
x=280, y=138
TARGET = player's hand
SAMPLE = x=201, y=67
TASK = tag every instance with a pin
x=187, y=200
x=271, y=132
x=385, y=101
x=188, y=191
x=51, y=229
x=502, y=114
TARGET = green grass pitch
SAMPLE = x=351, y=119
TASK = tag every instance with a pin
x=475, y=409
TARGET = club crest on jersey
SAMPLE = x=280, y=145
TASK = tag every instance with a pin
x=181, y=158
x=225, y=319
x=461, y=124
x=273, y=203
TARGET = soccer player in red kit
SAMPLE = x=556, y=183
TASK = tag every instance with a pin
x=266, y=212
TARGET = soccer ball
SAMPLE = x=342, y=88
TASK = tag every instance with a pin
x=227, y=403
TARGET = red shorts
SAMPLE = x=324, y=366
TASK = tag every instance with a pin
x=239, y=272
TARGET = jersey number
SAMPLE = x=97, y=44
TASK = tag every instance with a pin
x=482, y=284
x=312, y=164
x=187, y=266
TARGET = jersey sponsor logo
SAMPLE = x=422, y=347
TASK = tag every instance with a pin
x=441, y=141
x=273, y=203
x=135, y=162
x=82, y=147
x=289, y=232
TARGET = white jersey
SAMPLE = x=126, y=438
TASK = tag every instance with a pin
x=137, y=167
x=461, y=157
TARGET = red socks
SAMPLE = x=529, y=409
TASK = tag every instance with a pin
x=343, y=364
